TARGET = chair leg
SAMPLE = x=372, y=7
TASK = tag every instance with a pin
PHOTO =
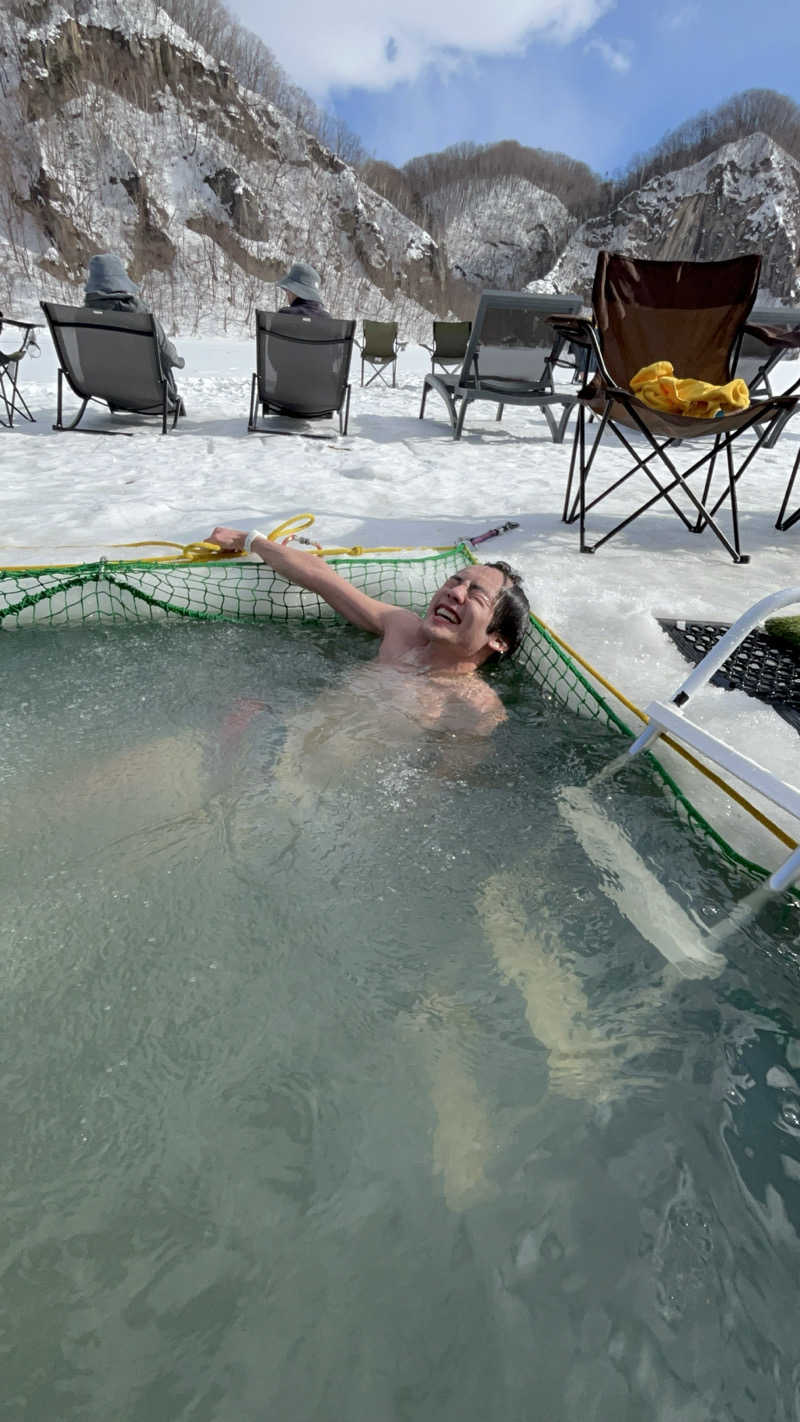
x=425, y=389
x=459, y=424
x=59, y=424
x=8, y=422
x=582, y=477
x=343, y=427
x=18, y=402
x=578, y=439
x=252, y=422
x=782, y=522
x=498, y=417
x=700, y=522
x=584, y=465
x=9, y=381
x=557, y=424
x=740, y=557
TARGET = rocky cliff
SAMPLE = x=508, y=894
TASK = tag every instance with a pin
x=501, y=232
x=121, y=133
x=743, y=198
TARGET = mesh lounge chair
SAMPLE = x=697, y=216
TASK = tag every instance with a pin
x=13, y=400
x=113, y=357
x=379, y=349
x=693, y=314
x=503, y=364
x=302, y=365
x=449, y=344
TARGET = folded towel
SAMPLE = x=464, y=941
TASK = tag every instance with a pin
x=657, y=386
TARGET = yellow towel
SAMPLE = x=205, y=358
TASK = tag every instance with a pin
x=657, y=386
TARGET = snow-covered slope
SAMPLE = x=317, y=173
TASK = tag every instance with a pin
x=500, y=232
x=745, y=197
x=122, y=133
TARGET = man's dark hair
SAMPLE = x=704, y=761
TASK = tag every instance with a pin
x=511, y=610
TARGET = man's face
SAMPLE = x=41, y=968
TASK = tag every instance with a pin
x=460, y=612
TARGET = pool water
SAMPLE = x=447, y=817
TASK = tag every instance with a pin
x=356, y=1069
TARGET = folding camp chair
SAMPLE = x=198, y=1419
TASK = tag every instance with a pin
x=449, y=344
x=504, y=363
x=379, y=349
x=770, y=334
x=10, y=393
x=692, y=314
x=302, y=365
x=112, y=357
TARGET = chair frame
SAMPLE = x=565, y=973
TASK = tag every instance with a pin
x=773, y=351
x=765, y=418
x=459, y=390
x=170, y=401
x=258, y=396
x=13, y=399
x=379, y=362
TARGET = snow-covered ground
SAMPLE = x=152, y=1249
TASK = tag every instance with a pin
x=396, y=480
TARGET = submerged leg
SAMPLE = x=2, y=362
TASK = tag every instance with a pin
x=555, y=1003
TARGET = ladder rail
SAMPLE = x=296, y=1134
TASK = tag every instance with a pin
x=670, y=717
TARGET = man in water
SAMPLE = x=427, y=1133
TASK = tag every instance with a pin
x=478, y=614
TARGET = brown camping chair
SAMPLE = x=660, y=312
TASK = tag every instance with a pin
x=693, y=314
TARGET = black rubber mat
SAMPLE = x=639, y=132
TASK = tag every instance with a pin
x=760, y=666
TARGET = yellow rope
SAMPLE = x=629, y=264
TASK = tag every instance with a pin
x=674, y=745
x=203, y=551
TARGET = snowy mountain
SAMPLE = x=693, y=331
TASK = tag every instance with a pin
x=745, y=197
x=500, y=232
x=122, y=134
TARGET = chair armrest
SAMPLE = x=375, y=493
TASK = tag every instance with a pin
x=582, y=331
x=574, y=328
x=23, y=325
x=775, y=337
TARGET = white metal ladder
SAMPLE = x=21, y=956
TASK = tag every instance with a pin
x=671, y=718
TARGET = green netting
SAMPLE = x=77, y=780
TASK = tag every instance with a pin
x=239, y=591
x=243, y=590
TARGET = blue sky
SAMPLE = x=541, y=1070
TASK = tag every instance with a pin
x=596, y=80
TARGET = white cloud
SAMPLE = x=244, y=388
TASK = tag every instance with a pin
x=681, y=19
x=375, y=45
x=615, y=57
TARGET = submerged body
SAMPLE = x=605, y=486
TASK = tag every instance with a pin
x=397, y=1125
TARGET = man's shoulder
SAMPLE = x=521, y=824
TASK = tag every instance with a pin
x=399, y=616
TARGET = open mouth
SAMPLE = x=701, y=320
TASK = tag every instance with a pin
x=447, y=615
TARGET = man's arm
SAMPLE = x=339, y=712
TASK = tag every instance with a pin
x=313, y=573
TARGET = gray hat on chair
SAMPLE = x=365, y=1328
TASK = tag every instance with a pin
x=302, y=280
